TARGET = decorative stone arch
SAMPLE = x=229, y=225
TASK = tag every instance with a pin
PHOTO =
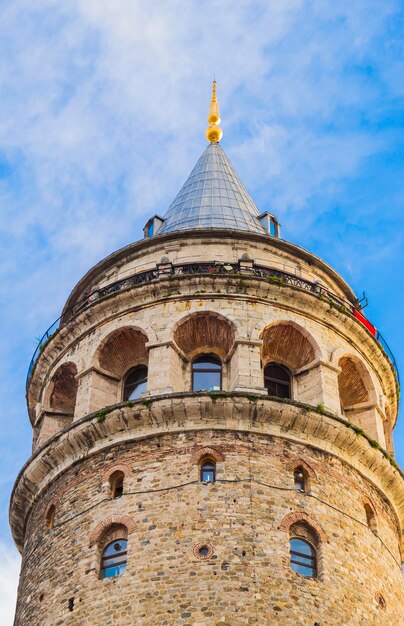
x=117, y=353
x=355, y=384
x=288, y=343
x=300, y=517
x=112, y=520
x=204, y=453
x=204, y=332
x=358, y=397
x=120, y=350
x=116, y=467
x=61, y=393
x=59, y=402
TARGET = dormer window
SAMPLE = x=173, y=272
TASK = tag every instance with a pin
x=153, y=226
x=270, y=223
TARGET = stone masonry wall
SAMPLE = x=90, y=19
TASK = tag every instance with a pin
x=247, y=579
x=315, y=382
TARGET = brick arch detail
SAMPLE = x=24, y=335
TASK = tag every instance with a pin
x=199, y=454
x=205, y=332
x=288, y=343
x=300, y=516
x=61, y=392
x=293, y=465
x=117, y=467
x=123, y=520
x=121, y=349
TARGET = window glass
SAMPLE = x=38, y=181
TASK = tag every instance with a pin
x=208, y=472
x=277, y=381
x=207, y=373
x=135, y=383
x=150, y=229
x=114, y=558
x=303, y=558
x=272, y=227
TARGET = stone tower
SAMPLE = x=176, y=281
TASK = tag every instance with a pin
x=212, y=443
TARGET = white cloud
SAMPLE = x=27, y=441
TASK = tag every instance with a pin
x=103, y=114
x=9, y=572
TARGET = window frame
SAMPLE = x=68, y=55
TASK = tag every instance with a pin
x=124, y=553
x=214, y=358
x=300, y=555
x=206, y=461
x=289, y=383
x=132, y=370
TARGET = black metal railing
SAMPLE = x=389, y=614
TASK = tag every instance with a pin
x=242, y=270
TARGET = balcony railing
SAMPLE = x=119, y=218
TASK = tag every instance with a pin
x=241, y=270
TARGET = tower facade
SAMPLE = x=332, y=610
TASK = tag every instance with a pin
x=212, y=443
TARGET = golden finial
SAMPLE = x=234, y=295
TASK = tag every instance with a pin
x=214, y=133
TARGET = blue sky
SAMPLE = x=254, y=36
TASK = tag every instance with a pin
x=102, y=116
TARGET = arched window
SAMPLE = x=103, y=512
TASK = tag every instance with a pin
x=371, y=519
x=116, y=484
x=303, y=557
x=208, y=471
x=277, y=381
x=207, y=373
x=135, y=382
x=50, y=517
x=114, y=558
x=300, y=479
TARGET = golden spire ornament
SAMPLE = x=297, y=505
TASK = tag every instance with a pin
x=214, y=133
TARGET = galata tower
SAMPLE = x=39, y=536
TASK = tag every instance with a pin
x=212, y=434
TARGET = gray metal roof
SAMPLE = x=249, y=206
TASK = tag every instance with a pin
x=212, y=197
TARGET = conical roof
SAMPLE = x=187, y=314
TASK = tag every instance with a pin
x=212, y=197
